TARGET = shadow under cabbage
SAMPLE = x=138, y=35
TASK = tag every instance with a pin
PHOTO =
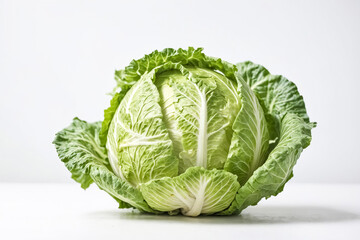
x=256, y=215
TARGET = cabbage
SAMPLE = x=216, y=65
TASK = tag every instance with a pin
x=191, y=134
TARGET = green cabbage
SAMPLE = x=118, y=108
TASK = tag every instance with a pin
x=191, y=134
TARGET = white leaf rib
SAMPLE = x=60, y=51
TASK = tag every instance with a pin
x=198, y=204
x=201, y=157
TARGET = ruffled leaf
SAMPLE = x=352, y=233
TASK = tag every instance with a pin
x=277, y=95
x=78, y=146
x=270, y=178
x=137, y=68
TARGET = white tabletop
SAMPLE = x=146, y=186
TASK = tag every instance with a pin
x=65, y=211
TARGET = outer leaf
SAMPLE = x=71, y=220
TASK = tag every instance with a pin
x=197, y=191
x=250, y=140
x=270, y=178
x=277, y=95
x=119, y=189
x=78, y=146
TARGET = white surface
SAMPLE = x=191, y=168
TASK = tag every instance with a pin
x=60, y=211
x=57, y=60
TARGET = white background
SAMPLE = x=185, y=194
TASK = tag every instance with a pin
x=57, y=60
x=63, y=211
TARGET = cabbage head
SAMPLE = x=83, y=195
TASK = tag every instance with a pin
x=191, y=134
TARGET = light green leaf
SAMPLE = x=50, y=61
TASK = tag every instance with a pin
x=197, y=191
x=138, y=143
x=222, y=106
x=270, y=178
x=78, y=146
x=250, y=140
x=199, y=106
